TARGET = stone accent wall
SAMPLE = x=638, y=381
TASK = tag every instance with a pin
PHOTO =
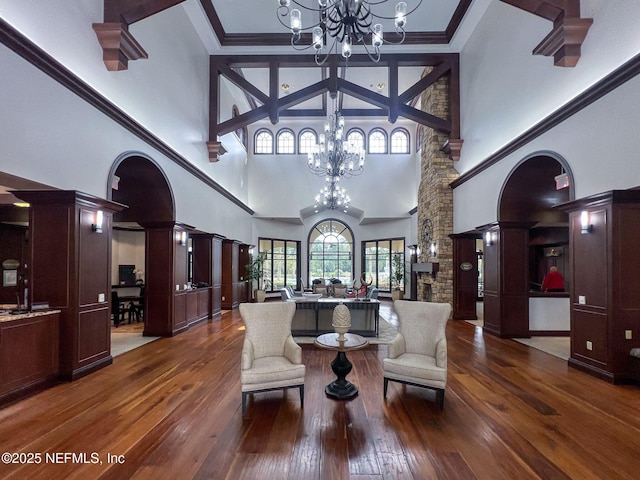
x=435, y=200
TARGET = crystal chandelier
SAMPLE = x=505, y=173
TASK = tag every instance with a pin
x=332, y=196
x=334, y=156
x=347, y=22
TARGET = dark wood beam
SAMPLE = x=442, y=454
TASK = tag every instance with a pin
x=569, y=29
x=118, y=45
x=393, y=106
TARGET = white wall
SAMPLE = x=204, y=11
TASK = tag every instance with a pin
x=127, y=248
x=68, y=144
x=507, y=90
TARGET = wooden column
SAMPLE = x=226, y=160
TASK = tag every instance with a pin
x=71, y=269
x=506, y=281
x=604, y=266
x=465, y=276
x=230, y=273
x=166, y=277
x=216, y=280
x=202, y=255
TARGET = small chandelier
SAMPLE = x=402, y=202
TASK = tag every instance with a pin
x=347, y=22
x=332, y=196
x=333, y=156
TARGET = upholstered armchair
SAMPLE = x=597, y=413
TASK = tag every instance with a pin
x=418, y=354
x=271, y=359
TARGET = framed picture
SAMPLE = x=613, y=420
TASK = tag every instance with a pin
x=9, y=278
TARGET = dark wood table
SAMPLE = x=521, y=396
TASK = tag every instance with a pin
x=341, y=388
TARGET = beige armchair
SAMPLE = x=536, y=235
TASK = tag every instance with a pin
x=418, y=354
x=271, y=360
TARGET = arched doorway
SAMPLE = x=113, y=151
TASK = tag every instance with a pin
x=529, y=195
x=138, y=182
x=529, y=236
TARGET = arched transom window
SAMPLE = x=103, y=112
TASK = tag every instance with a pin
x=331, y=252
x=263, y=141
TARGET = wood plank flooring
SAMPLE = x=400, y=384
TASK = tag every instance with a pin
x=171, y=410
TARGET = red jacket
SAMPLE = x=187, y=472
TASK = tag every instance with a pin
x=553, y=281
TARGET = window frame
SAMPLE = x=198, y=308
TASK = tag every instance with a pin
x=407, y=141
x=375, y=276
x=270, y=259
x=301, y=133
x=255, y=141
x=279, y=134
x=348, y=254
x=386, y=141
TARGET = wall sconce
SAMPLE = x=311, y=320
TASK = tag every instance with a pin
x=97, y=227
x=413, y=249
x=488, y=238
x=432, y=249
x=183, y=238
x=586, y=227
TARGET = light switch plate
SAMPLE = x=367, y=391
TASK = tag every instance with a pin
x=100, y=297
x=582, y=300
x=628, y=335
x=589, y=345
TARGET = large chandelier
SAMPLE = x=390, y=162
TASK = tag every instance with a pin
x=332, y=196
x=347, y=22
x=334, y=156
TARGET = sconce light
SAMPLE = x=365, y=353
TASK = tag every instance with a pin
x=586, y=227
x=97, y=227
x=432, y=249
x=413, y=249
x=183, y=238
x=488, y=238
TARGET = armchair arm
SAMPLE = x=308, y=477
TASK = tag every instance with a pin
x=247, y=354
x=396, y=346
x=441, y=353
x=292, y=351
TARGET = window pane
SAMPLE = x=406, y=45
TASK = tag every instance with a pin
x=307, y=141
x=377, y=142
x=263, y=142
x=399, y=142
x=286, y=142
x=330, y=252
x=356, y=138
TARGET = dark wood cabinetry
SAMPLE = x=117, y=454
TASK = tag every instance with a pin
x=235, y=257
x=71, y=270
x=604, y=265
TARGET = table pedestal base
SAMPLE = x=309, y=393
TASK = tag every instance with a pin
x=341, y=388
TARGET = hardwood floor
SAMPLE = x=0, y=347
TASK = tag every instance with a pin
x=171, y=410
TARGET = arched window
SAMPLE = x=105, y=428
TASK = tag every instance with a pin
x=400, y=141
x=307, y=139
x=286, y=142
x=377, y=141
x=355, y=136
x=263, y=142
x=331, y=251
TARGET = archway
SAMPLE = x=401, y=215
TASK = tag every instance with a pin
x=139, y=183
x=528, y=196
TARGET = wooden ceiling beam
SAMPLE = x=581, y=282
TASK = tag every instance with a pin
x=118, y=45
x=393, y=106
x=569, y=29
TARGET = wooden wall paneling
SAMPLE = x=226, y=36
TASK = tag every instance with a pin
x=491, y=300
x=604, y=266
x=180, y=275
x=180, y=321
x=230, y=274
x=159, y=281
x=71, y=270
x=465, y=277
x=203, y=269
x=216, y=293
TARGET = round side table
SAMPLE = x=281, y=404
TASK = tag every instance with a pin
x=341, y=388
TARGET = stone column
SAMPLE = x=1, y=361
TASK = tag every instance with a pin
x=435, y=200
